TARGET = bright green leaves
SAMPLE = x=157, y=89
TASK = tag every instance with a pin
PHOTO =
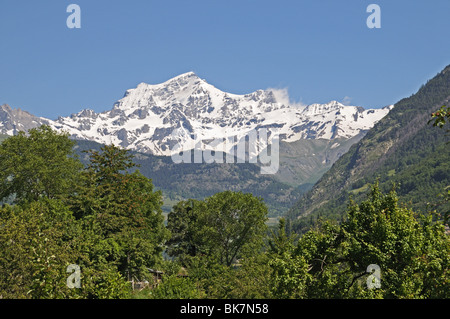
x=331, y=261
x=105, y=219
x=37, y=243
x=36, y=165
x=441, y=116
x=224, y=226
x=233, y=224
x=219, y=240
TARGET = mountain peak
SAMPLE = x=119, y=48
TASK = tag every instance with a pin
x=13, y=120
x=154, y=117
x=184, y=77
x=187, y=74
x=6, y=107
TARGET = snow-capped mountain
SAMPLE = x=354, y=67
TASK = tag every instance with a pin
x=14, y=120
x=156, y=118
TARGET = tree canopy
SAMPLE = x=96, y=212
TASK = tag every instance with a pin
x=106, y=219
x=103, y=218
x=38, y=164
x=225, y=225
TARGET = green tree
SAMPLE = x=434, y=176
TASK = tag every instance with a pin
x=38, y=241
x=225, y=226
x=126, y=210
x=379, y=231
x=40, y=164
x=289, y=271
x=280, y=242
x=232, y=225
x=331, y=260
x=182, y=222
x=440, y=117
x=219, y=240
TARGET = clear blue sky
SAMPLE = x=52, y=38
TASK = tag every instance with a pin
x=319, y=50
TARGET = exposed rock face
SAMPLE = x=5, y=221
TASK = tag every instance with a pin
x=14, y=120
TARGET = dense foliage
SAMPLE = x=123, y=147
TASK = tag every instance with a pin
x=108, y=222
x=37, y=165
x=227, y=225
x=411, y=251
x=105, y=218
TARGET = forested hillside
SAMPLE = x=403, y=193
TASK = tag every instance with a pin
x=402, y=149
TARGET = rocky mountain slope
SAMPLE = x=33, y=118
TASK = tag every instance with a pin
x=14, y=120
